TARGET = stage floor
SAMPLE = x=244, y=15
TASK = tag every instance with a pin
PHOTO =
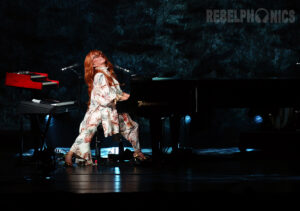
x=210, y=174
x=214, y=175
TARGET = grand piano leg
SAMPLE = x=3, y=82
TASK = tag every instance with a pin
x=156, y=136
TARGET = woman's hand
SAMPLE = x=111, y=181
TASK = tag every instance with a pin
x=124, y=96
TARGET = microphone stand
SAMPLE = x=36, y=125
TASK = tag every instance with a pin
x=79, y=76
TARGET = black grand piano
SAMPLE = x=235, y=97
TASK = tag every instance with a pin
x=154, y=98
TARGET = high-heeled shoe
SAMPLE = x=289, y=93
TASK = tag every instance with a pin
x=139, y=156
x=86, y=161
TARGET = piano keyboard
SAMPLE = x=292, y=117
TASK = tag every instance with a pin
x=48, y=83
x=64, y=103
x=37, y=76
x=44, y=107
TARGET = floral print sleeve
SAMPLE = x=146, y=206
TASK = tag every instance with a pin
x=103, y=94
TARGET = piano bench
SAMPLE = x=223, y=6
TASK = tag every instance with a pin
x=99, y=139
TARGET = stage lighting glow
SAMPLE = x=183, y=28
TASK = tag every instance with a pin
x=187, y=119
x=117, y=170
x=114, y=150
x=117, y=183
x=258, y=119
x=250, y=150
x=51, y=121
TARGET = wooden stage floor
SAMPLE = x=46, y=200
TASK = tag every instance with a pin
x=213, y=176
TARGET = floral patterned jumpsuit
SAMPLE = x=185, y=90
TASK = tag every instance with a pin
x=103, y=110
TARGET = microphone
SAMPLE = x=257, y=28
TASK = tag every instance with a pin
x=69, y=67
x=121, y=68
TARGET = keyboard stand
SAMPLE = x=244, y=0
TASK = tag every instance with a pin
x=37, y=113
x=39, y=147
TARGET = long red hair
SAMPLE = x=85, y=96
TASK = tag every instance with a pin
x=90, y=71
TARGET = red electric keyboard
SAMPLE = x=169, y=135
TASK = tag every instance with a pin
x=30, y=80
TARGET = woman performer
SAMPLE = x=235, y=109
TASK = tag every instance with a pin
x=104, y=92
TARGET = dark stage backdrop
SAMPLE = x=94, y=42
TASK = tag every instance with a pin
x=164, y=37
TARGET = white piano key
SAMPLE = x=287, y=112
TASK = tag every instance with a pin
x=48, y=83
x=63, y=103
x=37, y=76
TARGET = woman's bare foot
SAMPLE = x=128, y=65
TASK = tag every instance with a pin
x=68, y=158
